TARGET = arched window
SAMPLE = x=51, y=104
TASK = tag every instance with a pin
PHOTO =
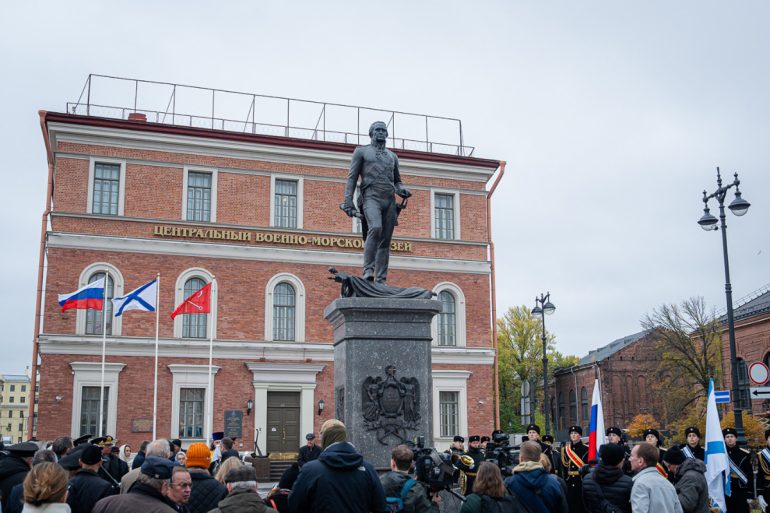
x=194, y=325
x=448, y=327
x=284, y=311
x=584, y=411
x=94, y=318
x=553, y=413
x=572, y=407
x=743, y=399
x=447, y=322
x=561, y=411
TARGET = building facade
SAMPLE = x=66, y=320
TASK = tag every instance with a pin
x=625, y=368
x=14, y=407
x=752, y=344
x=133, y=199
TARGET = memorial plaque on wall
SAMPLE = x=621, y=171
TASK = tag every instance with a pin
x=141, y=425
x=233, y=423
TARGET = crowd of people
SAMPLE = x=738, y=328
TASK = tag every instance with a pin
x=94, y=476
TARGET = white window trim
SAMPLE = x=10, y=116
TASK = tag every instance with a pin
x=450, y=381
x=283, y=377
x=195, y=272
x=300, y=199
x=89, y=374
x=122, y=183
x=198, y=169
x=117, y=278
x=460, y=324
x=299, y=314
x=191, y=376
x=456, y=195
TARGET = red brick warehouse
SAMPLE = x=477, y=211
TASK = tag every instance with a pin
x=135, y=197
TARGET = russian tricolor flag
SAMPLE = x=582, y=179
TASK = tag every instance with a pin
x=90, y=297
x=596, y=435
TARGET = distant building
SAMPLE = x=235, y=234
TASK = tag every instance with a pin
x=752, y=344
x=625, y=368
x=14, y=407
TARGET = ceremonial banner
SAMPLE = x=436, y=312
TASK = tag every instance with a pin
x=142, y=299
x=89, y=297
x=596, y=435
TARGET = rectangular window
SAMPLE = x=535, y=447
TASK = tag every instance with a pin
x=191, y=412
x=198, y=196
x=13, y=388
x=285, y=204
x=89, y=410
x=22, y=399
x=106, y=188
x=24, y=388
x=11, y=399
x=448, y=404
x=10, y=414
x=445, y=216
x=21, y=427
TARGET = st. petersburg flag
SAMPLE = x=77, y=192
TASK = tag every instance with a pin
x=596, y=434
x=89, y=297
x=142, y=299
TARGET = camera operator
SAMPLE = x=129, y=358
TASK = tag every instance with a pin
x=398, y=484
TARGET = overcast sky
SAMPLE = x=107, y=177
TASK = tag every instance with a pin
x=612, y=117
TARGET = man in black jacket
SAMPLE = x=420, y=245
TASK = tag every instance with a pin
x=206, y=491
x=606, y=484
x=87, y=487
x=339, y=481
x=416, y=499
x=14, y=468
x=310, y=451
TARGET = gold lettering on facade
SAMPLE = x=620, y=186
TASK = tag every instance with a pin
x=269, y=237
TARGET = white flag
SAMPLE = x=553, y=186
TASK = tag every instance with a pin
x=142, y=299
x=717, y=466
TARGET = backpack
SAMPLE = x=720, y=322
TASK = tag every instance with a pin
x=396, y=504
x=505, y=504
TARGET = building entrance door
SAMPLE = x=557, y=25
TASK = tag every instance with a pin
x=283, y=422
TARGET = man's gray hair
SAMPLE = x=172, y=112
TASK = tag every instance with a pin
x=159, y=448
x=243, y=486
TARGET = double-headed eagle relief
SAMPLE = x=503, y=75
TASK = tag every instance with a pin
x=391, y=406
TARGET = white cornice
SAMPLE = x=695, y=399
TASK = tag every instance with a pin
x=134, y=139
x=81, y=345
x=259, y=253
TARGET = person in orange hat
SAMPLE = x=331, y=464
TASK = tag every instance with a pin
x=206, y=491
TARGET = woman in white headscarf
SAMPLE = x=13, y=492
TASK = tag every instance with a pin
x=126, y=454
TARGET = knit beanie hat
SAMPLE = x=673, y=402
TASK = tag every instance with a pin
x=198, y=455
x=674, y=456
x=611, y=454
x=333, y=431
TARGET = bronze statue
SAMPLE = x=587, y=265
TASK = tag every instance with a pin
x=377, y=168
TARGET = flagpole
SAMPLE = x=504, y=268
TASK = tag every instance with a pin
x=209, y=398
x=100, y=430
x=155, y=384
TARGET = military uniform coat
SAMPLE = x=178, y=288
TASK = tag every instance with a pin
x=573, y=458
x=741, y=480
x=85, y=490
x=763, y=474
x=696, y=451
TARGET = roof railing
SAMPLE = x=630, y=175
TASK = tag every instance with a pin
x=250, y=113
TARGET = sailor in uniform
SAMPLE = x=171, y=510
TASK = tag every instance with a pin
x=763, y=473
x=741, y=474
x=574, y=455
x=692, y=448
x=615, y=436
x=652, y=436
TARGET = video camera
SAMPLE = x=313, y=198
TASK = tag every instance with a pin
x=501, y=453
x=433, y=468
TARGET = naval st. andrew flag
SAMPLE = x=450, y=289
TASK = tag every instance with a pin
x=198, y=302
x=89, y=297
x=596, y=434
x=142, y=299
x=717, y=466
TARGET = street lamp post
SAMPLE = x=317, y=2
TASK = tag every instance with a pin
x=708, y=222
x=543, y=307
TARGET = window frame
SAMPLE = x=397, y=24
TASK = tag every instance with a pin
x=585, y=415
x=191, y=376
x=455, y=428
x=117, y=277
x=456, y=205
x=460, y=315
x=300, y=199
x=742, y=373
x=214, y=172
x=299, y=306
x=445, y=380
x=207, y=277
x=121, y=184
x=89, y=374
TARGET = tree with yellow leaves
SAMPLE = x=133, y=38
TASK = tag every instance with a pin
x=641, y=422
x=754, y=428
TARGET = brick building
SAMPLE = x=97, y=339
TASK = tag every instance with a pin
x=134, y=196
x=624, y=368
x=752, y=344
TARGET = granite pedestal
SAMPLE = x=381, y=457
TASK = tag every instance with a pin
x=382, y=371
